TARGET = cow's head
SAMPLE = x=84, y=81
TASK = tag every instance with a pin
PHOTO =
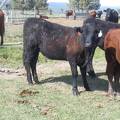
x=90, y=32
x=108, y=14
x=90, y=35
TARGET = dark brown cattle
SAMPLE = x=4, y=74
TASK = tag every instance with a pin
x=69, y=13
x=55, y=42
x=111, y=15
x=2, y=26
x=93, y=33
x=43, y=17
x=99, y=13
x=112, y=53
x=92, y=13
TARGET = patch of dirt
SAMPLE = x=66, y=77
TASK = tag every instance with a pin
x=45, y=110
x=23, y=102
x=99, y=105
x=11, y=73
x=67, y=22
x=28, y=92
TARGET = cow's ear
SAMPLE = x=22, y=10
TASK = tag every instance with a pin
x=78, y=29
x=100, y=34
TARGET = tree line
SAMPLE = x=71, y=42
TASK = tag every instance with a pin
x=42, y=4
x=29, y=4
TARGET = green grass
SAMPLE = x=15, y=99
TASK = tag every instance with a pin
x=99, y=54
x=11, y=57
x=54, y=101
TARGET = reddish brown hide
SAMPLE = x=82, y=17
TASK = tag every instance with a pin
x=112, y=40
x=112, y=53
x=69, y=13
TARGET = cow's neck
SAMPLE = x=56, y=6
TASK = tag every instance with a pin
x=105, y=27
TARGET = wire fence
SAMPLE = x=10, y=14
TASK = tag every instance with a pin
x=19, y=16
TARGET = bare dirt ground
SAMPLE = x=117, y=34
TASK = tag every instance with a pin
x=67, y=22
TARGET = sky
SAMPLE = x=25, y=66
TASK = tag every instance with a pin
x=108, y=3
x=66, y=1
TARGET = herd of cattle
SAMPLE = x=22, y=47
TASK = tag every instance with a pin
x=111, y=14
x=75, y=45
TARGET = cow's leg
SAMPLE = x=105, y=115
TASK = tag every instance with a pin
x=1, y=39
x=83, y=73
x=27, y=60
x=110, y=84
x=116, y=81
x=90, y=69
x=110, y=74
x=33, y=66
x=110, y=58
x=74, y=71
x=28, y=70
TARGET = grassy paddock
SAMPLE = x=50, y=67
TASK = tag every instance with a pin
x=53, y=99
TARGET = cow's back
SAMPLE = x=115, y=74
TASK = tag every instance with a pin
x=112, y=40
x=53, y=40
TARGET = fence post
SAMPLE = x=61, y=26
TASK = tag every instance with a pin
x=11, y=15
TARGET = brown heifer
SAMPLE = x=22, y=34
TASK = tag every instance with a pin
x=69, y=13
x=112, y=53
x=2, y=27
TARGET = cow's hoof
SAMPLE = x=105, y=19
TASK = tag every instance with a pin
x=111, y=94
x=87, y=89
x=75, y=91
x=30, y=83
x=37, y=82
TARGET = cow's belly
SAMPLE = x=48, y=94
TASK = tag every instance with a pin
x=53, y=52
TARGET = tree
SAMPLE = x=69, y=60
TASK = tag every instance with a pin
x=95, y=6
x=74, y=4
x=29, y=4
x=81, y=4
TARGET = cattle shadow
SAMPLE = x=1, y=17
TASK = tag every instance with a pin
x=99, y=84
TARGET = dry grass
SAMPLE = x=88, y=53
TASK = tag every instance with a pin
x=67, y=22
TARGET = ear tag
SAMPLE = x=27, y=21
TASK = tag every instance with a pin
x=100, y=34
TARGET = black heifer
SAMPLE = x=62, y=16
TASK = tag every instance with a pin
x=99, y=13
x=111, y=15
x=2, y=26
x=55, y=42
x=93, y=33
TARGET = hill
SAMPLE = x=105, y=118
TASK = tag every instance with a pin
x=57, y=6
